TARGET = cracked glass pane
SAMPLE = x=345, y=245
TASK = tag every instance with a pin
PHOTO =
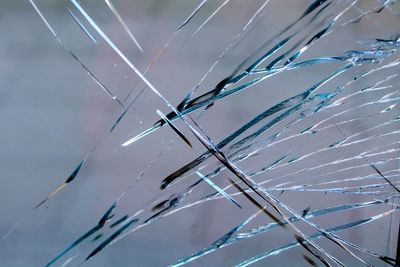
x=200, y=133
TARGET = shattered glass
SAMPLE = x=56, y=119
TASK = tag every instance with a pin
x=200, y=133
